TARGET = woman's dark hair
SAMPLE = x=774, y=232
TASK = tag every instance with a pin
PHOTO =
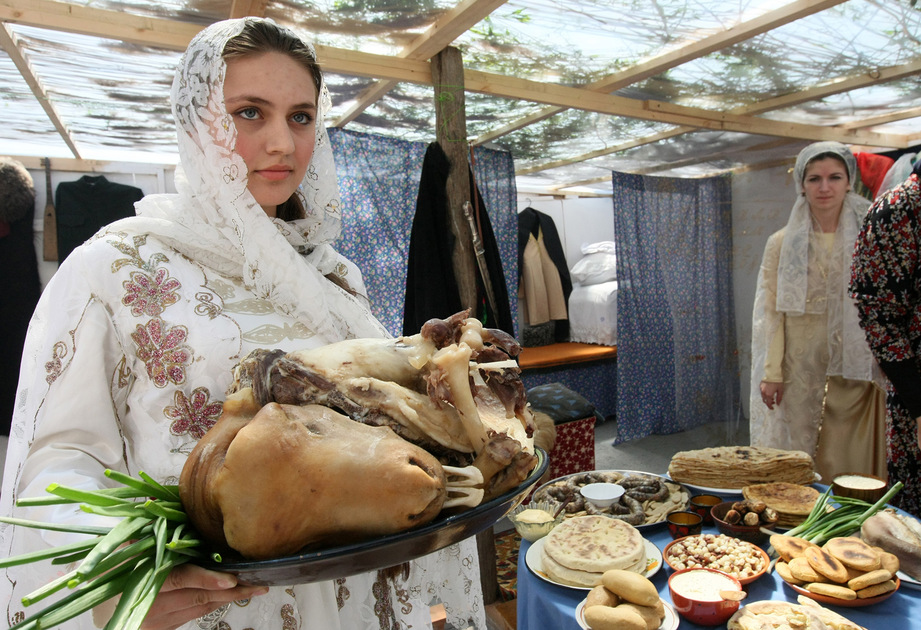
x=262, y=36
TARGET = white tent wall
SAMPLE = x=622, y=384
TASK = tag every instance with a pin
x=761, y=203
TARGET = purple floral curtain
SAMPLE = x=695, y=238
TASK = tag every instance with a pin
x=677, y=365
x=379, y=182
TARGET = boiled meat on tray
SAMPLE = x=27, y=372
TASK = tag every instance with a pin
x=361, y=438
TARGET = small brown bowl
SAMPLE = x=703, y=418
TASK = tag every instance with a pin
x=748, y=533
x=681, y=524
x=869, y=488
x=702, y=503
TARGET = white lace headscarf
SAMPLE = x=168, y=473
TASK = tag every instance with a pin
x=214, y=218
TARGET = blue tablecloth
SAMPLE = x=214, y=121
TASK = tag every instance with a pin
x=546, y=606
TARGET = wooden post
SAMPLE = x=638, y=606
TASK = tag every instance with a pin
x=451, y=133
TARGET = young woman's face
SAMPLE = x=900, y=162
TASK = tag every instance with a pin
x=272, y=99
x=825, y=184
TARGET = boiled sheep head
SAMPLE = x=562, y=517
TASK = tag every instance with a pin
x=269, y=480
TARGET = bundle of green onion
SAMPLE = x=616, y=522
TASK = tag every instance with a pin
x=131, y=559
x=834, y=516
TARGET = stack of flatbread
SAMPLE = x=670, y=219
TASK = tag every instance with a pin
x=791, y=501
x=580, y=549
x=778, y=615
x=739, y=466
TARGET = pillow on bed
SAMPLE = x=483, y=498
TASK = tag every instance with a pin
x=595, y=268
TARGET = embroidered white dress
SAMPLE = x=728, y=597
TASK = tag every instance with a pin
x=131, y=348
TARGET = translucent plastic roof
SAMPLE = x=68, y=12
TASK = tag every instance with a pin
x=89, y=78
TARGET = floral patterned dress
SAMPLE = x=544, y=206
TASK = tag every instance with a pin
x=886, y=284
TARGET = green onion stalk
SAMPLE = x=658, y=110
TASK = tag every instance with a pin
x=131, y=559
x=833, y=516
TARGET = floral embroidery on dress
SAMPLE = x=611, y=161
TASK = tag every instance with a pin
x=250, y=306
x=270, y=334
x=134, y=255
x=54, y=367
x=342, y=592
x=206, y=305
x=289, y=621
x=383, y=607
x=163, y=351
x=150, y=295
x=123, y=371
x=193, y=415
x=403, y=597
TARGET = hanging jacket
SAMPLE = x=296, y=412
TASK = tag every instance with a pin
x=541, y=228
x=431, y=285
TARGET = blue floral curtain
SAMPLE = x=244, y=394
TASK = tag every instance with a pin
x=677, y=363
x=379, y=182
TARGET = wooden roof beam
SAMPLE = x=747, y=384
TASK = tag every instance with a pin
x=9, y=44
x=837, y=86
x=244, y=8
x=436, y=38
x=74, y=18
x=659, y=64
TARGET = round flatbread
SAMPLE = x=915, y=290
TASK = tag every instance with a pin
x=739, y=466
x=595, y=544
x=564, y=575
x=792, y=502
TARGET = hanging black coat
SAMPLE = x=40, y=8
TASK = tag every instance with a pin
x=431, y=286
x=530, y=223
x=84, y=206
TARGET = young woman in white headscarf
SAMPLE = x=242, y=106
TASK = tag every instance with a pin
x=815, y=384
x=131, y=348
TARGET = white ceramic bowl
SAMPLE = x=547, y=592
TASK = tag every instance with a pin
x=602, y=494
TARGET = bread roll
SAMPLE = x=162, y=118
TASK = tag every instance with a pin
x=651, y=614
x=600, y=596
x=631, y=587
x=619, y=618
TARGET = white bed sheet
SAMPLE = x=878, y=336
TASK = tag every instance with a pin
x=593, y=314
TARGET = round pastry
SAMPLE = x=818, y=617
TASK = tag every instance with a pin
x=581, y=549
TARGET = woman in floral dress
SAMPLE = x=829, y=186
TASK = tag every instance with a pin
x=886, y=284
x=132, y=346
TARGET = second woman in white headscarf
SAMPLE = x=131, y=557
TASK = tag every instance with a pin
x=815, y=385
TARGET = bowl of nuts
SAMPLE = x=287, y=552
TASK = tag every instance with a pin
x=751, y=521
